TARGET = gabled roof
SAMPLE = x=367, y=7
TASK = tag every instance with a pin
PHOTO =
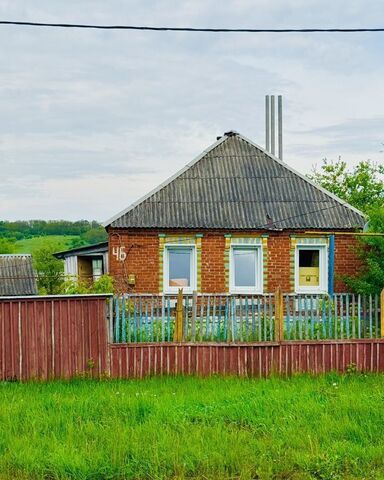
x=96, y=248
x=17, y=276
x=235, y=184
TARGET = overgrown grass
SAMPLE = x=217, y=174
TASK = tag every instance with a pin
x=327, y=427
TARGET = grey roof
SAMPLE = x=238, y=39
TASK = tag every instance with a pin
x=96, y=248
x=235, y=184
x=17, y=276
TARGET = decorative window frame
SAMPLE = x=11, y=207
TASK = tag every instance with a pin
x=180, y=241
x=310, y=243
x=252, y=241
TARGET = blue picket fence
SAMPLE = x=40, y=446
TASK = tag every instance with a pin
x=242, y=318
x=340, y=316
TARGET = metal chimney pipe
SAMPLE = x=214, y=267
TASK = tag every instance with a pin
x=267, y=123
x=273, y=124
x=280, y=125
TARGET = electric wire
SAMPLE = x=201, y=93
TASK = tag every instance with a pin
x=190, y=29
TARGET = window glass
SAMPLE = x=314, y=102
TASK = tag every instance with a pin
x=309, y=258
x=244, y=262
x=309, y=267
x=97, y=268
x=179, y=267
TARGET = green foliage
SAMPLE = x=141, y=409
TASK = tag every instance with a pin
x=94, y=235
x=76, y=242
x=326, y=427
x=371, y=252
x=103, y=284
x=7, y=245
x=49, y=269
x=90, y=237
x=362, y=187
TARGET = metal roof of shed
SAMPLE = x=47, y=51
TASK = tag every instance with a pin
x=235, y=184
x=17, y=276
x=96, y=248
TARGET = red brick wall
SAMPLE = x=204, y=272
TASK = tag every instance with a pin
x=142, y=248
x=279, y=258
x=346, y=260
x=212, y=263
x=142, y=260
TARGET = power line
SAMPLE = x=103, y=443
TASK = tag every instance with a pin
x=191, y=29
x=273, y=222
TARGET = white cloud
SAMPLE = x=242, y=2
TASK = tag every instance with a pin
x=91, y=120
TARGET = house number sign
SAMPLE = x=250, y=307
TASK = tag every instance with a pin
x=119, y=253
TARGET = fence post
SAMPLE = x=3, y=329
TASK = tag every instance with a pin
x=194, y=315
x=178, y=334
x=382, y=313
x=279, y=315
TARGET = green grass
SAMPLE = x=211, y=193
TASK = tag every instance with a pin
x=29, y=245
x=327, y=427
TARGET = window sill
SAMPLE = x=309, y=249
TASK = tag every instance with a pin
x=318, y=291
x=188, y=291
x=245, y=292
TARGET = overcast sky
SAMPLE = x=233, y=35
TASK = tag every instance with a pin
x=91, y=120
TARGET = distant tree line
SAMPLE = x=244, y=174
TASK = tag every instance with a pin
x=83, y=232
x=21, y=229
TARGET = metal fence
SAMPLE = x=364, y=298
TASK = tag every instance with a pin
x=219, y=318
x=243, y=318
x=340, y=316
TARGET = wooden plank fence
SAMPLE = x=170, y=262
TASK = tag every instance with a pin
x=53, y=337
x=64, y=336
x=246, y=359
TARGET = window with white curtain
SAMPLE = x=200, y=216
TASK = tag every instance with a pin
x=179, y=268
x=246, y=269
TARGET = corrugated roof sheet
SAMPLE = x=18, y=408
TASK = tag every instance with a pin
x=17, y=276
x=237, y=185
x=101, y=247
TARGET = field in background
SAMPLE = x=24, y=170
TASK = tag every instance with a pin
x=29, y=245
x=326, y=427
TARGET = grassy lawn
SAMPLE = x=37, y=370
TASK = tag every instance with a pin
x=29, y=245
x=329, y=427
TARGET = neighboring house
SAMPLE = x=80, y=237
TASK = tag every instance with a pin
x=17, y=276
x=235, y=219
x=85, y=263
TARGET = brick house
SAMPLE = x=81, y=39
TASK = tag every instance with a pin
x=236, y=219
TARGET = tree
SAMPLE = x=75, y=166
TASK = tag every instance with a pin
x=371, y=252
x=95, y=235
x=7, y=245
x=362, y=186
x=49, y=269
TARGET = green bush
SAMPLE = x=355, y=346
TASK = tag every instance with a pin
x=76, y=286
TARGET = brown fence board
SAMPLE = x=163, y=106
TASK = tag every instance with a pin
x=256, y=360
x=52, y=337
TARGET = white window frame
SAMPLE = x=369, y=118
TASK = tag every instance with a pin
x=258, y=288
x=323, y=268
x=193, y=268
